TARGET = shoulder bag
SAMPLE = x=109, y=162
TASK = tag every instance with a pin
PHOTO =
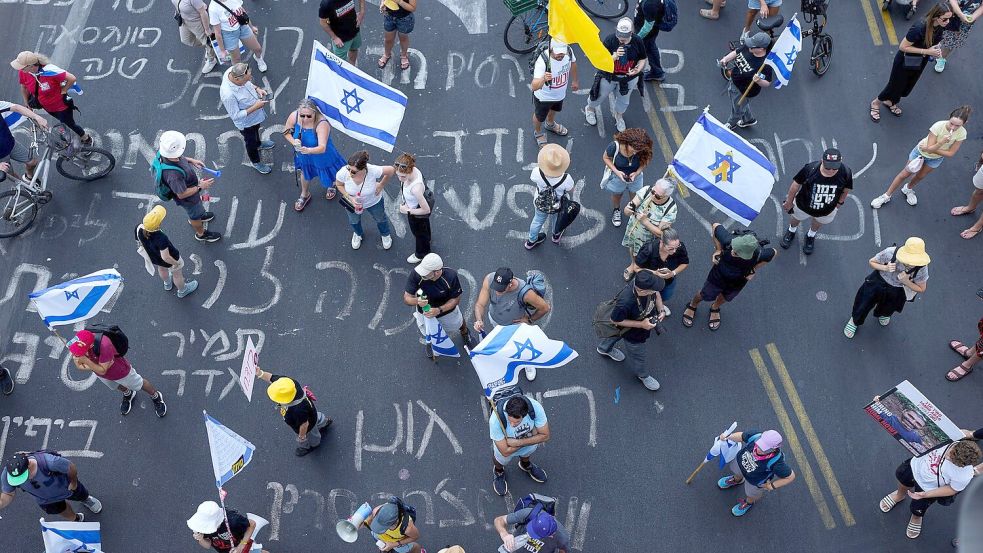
x=938, y=480
x=607, y=170
x=241, y=18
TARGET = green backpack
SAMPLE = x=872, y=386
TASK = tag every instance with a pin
x=157, y=168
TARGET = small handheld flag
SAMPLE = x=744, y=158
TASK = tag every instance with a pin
x=785, y=51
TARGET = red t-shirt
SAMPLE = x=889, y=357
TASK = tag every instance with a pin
x=120, y=367
x=47, y=85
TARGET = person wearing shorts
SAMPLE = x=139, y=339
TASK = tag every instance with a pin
x=759, y=465
x=816, y=192
x=184, y=183
x=10, y=149
x=51, y=479
x=113, y=370
x=761, y=9
x=224, y=17
x=553, y=70
x=624, y=161
x=343, y=23
x=397, y=17
x=517, y=426
x=195, y=30
x=974, y=200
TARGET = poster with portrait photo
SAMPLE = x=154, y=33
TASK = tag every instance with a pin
x=911, y=419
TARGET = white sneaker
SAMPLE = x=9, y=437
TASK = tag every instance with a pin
x=665, y=310
x=530, y=374
x=387, y=242
x=356, y=241
x=261, y=65
x=877, y=202
x=413, y=259
x=619, y=123
x=909, y=195
x=93, y=504
x=650, y=383
x=209, y=65
x=591, y=116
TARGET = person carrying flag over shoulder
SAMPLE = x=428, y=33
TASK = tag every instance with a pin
x=760, y=466
x=748, y=74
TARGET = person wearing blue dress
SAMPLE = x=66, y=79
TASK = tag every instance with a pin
x=315, y=155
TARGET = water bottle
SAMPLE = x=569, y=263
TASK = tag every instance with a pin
x=358, y=203
x=520, y=542
x=421, y=296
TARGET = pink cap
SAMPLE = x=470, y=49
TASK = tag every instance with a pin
x=81, y=343
x=770, y=439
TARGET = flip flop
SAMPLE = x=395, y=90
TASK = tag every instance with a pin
x=875, y=113
x=384, y=60
x=301, y=203
x=969, y=233
x=888, y=503
x=714, y=324
x=895, y=110
x=404, y=62
x=330, y=194
x=960, y=210
x=958, y=373
x=626, y=275
x=960, y=348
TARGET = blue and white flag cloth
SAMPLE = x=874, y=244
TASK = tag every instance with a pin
x=724, y=450
x=724, y=169
x=230, y=451
x=78, y=299
x=71, y=537
x=506, y=350
x=12, y=118
x=435, y=335
x=354, y=103
x=785, y=51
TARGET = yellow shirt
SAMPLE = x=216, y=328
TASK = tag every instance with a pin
x=392, y=535
x=947, y=138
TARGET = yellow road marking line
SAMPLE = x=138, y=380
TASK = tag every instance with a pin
x=892, y=37
x=793, y=439
x=875, y=31
x=810, y=433
x=677, y=135
x=668, y=152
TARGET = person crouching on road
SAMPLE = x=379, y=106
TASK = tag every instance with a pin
x=297, y=409
x=898, y=274
x=435, y=291
x=760, y=466
x=162, y=253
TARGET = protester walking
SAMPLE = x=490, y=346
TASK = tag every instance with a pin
x=10, y=149
x=552, y=184
x=297, y=408
x=194, y=28
x=918, y=46
x=52, y=480
x=747, y=75
x=650, y=17
x=816, y=192
x=246, y=105
x=625, y=160
x=161, y=253
x=397, y=17
x=900, y=273
x=759, y=465
x=628, y=52
x=666, y=257
x=943, y=140
x=222, y=529
x=553, y=72
x=517, y=426
x=435, y=291
x=394, y=525
x=6, y=381
x=343, y=24
x=233, y=26
x=637, y=309
x=106, y=359
x=965, y=13
x=736, y=258
x=974, y=201
x=175, y=172
x=545, y=533
x=361, y=184
x=936, y=476
x=45, y=86
x=315, y=155
x=415, y=204
x=971, y=355
x=650, y=212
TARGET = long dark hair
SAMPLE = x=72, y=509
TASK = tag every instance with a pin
x=937, y=10
x=639, y=141
x=359, y=159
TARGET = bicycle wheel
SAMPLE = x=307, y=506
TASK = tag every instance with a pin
x=822, y=53
x=17, y=213
x=88, y=164
x=524, y=31
x=606, y=9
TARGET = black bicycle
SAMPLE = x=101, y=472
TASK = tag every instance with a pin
x=814, y=13
x=529, y=24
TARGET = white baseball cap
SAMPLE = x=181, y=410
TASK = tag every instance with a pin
x=557, y=46
x=625, y=27
x=172, y=144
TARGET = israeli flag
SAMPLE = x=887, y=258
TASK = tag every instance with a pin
x=724, y=450
x=230, y=451
x=433, y=332
x=78, y=299
x=354, y=103
x=508, y=349
x=724, y=169
x=71, y=537
x=12, y=119
x=785, y=51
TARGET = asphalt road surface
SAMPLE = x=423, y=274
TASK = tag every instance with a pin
x=332, y=317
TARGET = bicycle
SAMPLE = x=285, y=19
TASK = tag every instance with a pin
x=766, y=25
x=814, y=12
x=19, y=207
x=529, y=24
x=605, y=9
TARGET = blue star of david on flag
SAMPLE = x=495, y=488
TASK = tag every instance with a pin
x=724, y=167
x=435, y=335
x=784, y=53
x=351, y=96
x=523, y=346
x=72, y=294
x=790, y=57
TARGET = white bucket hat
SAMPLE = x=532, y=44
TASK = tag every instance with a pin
x=207, y=519
x=172, y=144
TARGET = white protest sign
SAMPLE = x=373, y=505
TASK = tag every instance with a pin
x=230, y=451
x=247, y=376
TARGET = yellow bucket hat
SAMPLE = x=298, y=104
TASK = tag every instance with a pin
x=283, y=391
x=913, y=253
x=152, y=220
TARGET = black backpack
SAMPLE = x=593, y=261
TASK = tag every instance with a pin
x=542, y=51
x=403, y=510
x=503, y=396
x=537, y=503
x=115, y=335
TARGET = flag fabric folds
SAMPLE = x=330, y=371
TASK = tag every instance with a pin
x=724, y=169
x=433, y=332
x=785, y=51
x=569, y=23
x=78, y=299
x=508, y=349
x=354, y=103
x=724, y=450
x=230, y=451
x=12, y=118
x=71, y=537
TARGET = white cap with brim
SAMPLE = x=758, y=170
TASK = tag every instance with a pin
x=430, y=263
x=207, y=519
x=172, y=144
x=625, y=28
x=557, y=46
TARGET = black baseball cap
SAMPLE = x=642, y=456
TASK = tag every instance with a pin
x=18, y=469
x=832, y=159
x=646, y=280
x=502, y=279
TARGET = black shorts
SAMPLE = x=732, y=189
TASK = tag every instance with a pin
x=541, y=109
x=711, y=290
x=907, y=479
x=80, y=494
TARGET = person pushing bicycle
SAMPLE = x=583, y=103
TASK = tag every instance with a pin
x=10, y=150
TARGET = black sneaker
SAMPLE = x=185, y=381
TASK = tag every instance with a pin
x=159, y=406
x=809, y=245
x=534, y=472
x=466, y=337
x=649, y=76
x=209, y=236
x=499, y=484
x=539, y=240
x=787, y=239
x=6, y=382
x=429, y=351
x=126, y=404
x=749, y=123
x=208, y=216
x=301, y=451
x=557, y=236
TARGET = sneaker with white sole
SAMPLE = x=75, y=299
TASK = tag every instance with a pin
x=615, y=354
x=850, y=330
x=619, y=123
x=534, y=471
x=209, y=65
x=159, y=406
x=909, y=195
x=530, y=373
x=93, y=504
x=263, y=168
x=356, y=241
x=877, y=202
x=79, y=517
x=650, y=383
x=749, y=123
x=939, y=65
x=413, y=259
x=591, y=116
x=616, y=217
x=169, y=283
x=387, y=242
x=126, y=404
x=261, y=65
x=666, y=311
x=189, y=287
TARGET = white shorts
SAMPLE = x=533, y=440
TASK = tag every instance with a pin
x=978, y=179
x=132, y=381
x=802, y=216
x=452, y=321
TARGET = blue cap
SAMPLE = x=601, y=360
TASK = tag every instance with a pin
x=541, y=527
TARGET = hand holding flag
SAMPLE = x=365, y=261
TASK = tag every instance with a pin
x=725, y=450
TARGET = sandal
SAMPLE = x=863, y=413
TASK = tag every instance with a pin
x=960, y=372
x=960, y=210
x=850, y=330
x=688, y=315
x=302, y=202
x=384, y=60
x=557, y=129
x=969, y=233
x=709, y=14
x=914, y=529
x=888, y=503
x=714, y=324
x=875, y=113
x=404, y=62
x=541, y=140
x=960, y=348
x=627, y=274
x=895, y=110
x=330, y=194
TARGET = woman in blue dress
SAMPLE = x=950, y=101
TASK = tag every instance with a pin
x=315, y=156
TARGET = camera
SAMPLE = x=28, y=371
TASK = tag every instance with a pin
x=659, y=328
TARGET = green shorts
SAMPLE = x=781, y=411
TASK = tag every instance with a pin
x=353, y=44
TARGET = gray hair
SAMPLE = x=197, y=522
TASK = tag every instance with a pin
x=669, y=235
x=239, y=70
x=663, y=187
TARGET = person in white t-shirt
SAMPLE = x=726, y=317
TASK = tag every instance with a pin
x=942, y=472
x=232, y=25
x=361, y=184
x=549, y=88
x=550, y=174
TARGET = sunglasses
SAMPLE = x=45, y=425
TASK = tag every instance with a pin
x=302, y=116
x=401, y=166
x=353, y=171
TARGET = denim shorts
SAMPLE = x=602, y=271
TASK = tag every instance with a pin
x=196, y=212
x=615, y=185
x=402, y=25
x=933, y=163
x=756, y=4
x=231, y=39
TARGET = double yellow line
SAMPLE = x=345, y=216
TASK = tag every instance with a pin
x=792, y=437
x=668, y=148
x=871, y=7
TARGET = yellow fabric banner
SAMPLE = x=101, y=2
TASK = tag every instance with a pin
x=571, y=25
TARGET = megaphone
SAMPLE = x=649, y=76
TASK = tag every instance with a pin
x=348, y=529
